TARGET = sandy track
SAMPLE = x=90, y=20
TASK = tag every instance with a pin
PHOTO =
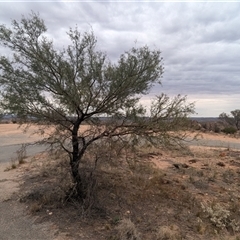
x=15, y=223
x=11, y=138
x=216, y=140
x=11, y=134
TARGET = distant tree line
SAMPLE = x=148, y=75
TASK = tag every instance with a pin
x=232, y=119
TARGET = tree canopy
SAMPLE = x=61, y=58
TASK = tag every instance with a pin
x=233, y=119
x=65, y=88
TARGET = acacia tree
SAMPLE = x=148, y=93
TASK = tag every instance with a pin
x=233, y=119
x=65, y=88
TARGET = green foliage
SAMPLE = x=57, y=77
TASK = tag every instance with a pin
x=220, y=217
x=69, y=87
x=233, y=119
x=229, y=130
x=78, y=80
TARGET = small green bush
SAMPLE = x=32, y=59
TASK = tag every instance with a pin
x=220, y=217
x=229, y=130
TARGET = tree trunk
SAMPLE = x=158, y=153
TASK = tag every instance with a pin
x=77, y=178
x=75, y=161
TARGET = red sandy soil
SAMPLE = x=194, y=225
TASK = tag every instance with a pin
x=209, y=175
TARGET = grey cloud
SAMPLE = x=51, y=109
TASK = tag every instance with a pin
x=210, y=13
x=200, y=42
x=228, y=33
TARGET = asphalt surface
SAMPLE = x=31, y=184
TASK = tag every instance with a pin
x=16, y=225
x=9, y=152
x=15, y=221
x=216, y=143
x=11, y=140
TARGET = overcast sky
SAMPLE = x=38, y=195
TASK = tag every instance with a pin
x=200, y=42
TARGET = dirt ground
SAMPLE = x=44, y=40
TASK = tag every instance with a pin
x=11, y=134
x=15, y=222
x=160, y=194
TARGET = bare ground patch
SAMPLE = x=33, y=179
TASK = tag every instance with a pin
x=157, y=195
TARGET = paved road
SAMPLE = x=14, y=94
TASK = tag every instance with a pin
x=9, y=152
x=216, y=143
x=11, y=143
x=15, y=223
x=11, y=139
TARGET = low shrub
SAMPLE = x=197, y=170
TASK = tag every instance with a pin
x=229, y=130
x=168, y=233
x=220, y=217
x=127, y=230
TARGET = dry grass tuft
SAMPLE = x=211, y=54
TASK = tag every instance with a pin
x=127, y=231
x=168, y=233
x=146, y=188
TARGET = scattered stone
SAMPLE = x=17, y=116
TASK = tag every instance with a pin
x=234, y=163
x=192, y=161
x=113, y=196
x=155, y=154
x=222, y=154
x=176, y=165
x=166, y=181
x=184, y=165
x=183, y=187
x=221, y=164
x=179, y=165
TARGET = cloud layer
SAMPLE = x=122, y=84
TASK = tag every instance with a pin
x=200, y=42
